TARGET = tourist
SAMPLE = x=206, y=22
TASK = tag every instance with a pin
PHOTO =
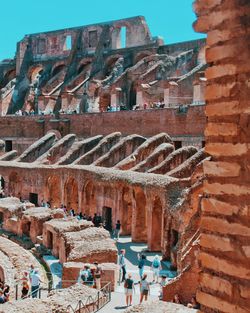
x=25, y=285
x=156, y=267
x=95, y=220
x=163, y=284
x=2, y=297
x=141, y=264
x=176, y=299
x=129, y=288
x=6, y=292
x=193, y=304
x=97, y=275
x=117, y=229
x=144, y=288
x=84, y=275
x=31, y=270
x=84, y=217
x=35, y=283
x=122, y=264
x=72, y=212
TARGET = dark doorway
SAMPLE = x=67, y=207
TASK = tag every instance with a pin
x=2, y=183
x=8, y=145
x=1, y=218
x=34, y=198
x=203, y=144
x=175, y=238
x=26, y=228
x=50, y=240
x=107, y=218
x=177, y=144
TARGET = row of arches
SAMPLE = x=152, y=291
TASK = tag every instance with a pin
x=140, y=213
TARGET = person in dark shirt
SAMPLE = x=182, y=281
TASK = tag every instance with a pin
x=129, y=287
x=117, y=229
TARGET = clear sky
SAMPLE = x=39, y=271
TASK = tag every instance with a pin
x=171, y=19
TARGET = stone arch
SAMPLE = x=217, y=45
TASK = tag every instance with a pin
x=58, y=67
x=126, y=211
x=89, y=199
x=84, y=65
x=139, y=228
x=15, y=185
x=71, y=194
x=109, y=63
x=34, y=71
x=54, y=191
x=56, y=132
x=9, y=75
x=157, y=225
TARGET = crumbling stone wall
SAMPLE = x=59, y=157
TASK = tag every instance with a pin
x=225, y=238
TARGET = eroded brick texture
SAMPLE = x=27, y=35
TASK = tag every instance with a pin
x=225, y=224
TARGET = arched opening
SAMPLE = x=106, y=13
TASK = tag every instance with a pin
x=71, y=194
x=9, y=76
x=132, y=96
x=2, y=184
x=57, y=69
x=1, y=218
x=107, y=218
x=34, y=72
x=54, y=191
x=15, y=185
x=109, y=64
x=126, y=214
x=156, y=233
x=139, y=233
x=174, y=247
x=89, y=199
x=26, y=228
x=49, y=240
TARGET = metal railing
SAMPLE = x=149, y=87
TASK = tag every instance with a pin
x=92, y=304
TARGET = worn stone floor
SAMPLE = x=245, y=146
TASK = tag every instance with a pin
x=118, y=301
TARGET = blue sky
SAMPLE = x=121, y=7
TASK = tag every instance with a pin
x=171, y=19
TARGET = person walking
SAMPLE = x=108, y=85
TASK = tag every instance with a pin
x=97, y=275
x=156, y=267
x=122, y=264
x=129, y=288
x=25, y=285
x=141, y=263
x=117, y=229
x=35, y=283
x=144, y=288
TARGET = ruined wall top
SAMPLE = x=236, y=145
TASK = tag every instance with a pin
x=124, y=33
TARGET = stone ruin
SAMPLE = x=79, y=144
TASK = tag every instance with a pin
x=203, y=200
x=115, y=64
x=150, y=186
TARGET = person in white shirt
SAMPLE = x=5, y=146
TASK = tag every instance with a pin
x=35, y=283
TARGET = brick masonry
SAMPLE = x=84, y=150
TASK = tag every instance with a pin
x=225, y=239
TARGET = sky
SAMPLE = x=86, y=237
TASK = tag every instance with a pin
x=170, y=19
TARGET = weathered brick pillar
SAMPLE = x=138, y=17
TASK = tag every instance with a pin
x=225, y=241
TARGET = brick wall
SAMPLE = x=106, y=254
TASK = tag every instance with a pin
x=24, y=130
x=225, y=240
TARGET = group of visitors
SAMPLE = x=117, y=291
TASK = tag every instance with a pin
x=31, y=281
x=30, y=285
x=25, y=113
x=4, y=292
x=129, y=283
x=91, y=277
x=144, y=283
